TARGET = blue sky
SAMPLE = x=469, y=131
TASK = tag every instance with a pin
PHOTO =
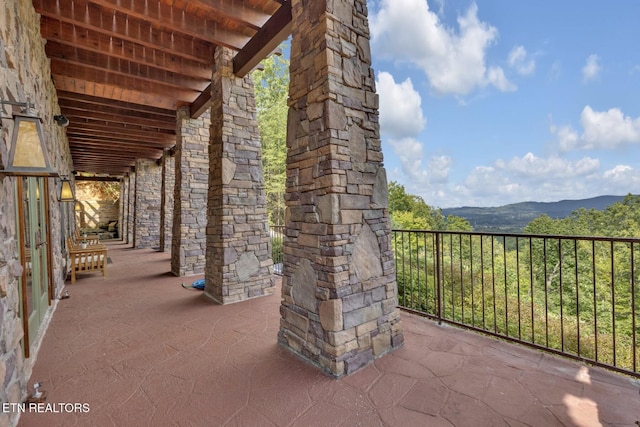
x=491, y=102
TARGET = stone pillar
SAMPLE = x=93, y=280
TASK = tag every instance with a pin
x=189, y=242
x=129, y=233
x=166, y=201
x=339, y=290
x=239, y=264
x=124, y=208
x=147, y=204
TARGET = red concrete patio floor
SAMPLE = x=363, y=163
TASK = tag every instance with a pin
x=140, y=350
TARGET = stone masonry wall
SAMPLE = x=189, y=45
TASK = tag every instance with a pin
x=339, y=291
x=166, y=203
x=239, y=264
x=147, y=204
x=25, y=74
x=189, y=244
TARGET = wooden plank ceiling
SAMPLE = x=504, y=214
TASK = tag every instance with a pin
x=122, y=67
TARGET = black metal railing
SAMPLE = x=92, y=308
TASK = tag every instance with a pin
x=276, y=233
x=575, y=296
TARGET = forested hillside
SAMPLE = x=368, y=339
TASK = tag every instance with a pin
x=513, y=218
x=575, y=295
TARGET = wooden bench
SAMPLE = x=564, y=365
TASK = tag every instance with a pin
x=86, y=260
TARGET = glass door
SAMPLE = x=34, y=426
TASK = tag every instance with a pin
x=33, y=231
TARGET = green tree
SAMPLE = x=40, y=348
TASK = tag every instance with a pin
x=409, y=211
x=271, y=91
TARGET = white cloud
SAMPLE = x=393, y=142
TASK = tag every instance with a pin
x=529, y=178
x=620, y=180
x=454, y=60
x=518, y=60
x=410, y=152
x=539, y=168
x=618, y=173
x=496, y=76
x=591, y=69
x=609, y=129
x=400, y=107
x=438, y=169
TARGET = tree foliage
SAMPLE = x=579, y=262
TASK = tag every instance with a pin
x=411, y=212
x=271, y=91
x=569, y=284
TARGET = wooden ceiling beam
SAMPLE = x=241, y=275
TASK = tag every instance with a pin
x=162, y=15
x=237, y=11
x=73, y=113
x=66, y=34
x=124, y=130
x=128, y=82
x=111, y=152
x=121, y=27
x=81, y=178
x=265, y=41
x=114, y=141
x=124, y=135
x=66, y=98
x=71, y=56
x=72, y=105
x=201, y=104
x=72, y=83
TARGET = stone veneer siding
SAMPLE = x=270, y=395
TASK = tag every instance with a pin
x=25, y=74
x=166, y=202
x=239, y=264
x=147, y=204
x=189, y=244
x=339, y=290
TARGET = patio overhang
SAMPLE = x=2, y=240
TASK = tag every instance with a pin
x=122, y=69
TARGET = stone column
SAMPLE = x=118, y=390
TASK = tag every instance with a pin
x=239, y=264
x=339, y=290
x=166, y=201
x=147, y=204
x=189, y=242
x=131, y=205
x=124, y=208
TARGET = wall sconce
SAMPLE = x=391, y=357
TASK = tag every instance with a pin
x=27, y=153
x=78, y=207
x=66, y=192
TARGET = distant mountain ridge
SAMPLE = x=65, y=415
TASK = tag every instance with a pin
x=514, y=217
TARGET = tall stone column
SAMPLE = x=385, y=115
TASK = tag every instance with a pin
x=339, y=290
x=131, y=208
x=239, y=264
x=124, y=208
x=147, y=204
x=166, y=200
x=189, y=240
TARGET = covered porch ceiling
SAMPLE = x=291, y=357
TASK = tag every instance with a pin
x=121, y=68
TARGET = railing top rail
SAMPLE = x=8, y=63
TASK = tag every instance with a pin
x=523, y=235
